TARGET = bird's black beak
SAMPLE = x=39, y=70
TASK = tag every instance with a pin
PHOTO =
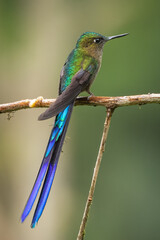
x=116, y=36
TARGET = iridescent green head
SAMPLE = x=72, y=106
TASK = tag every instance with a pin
x=92, y=43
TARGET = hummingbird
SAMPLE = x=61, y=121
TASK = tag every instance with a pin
x=77, y=75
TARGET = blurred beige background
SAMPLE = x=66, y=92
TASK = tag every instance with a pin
x=35, y=39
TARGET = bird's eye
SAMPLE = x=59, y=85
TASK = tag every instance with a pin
x=97, y=40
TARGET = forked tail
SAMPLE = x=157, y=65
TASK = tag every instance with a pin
x=48, y=165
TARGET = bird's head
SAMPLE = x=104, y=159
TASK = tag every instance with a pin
x=92, y=43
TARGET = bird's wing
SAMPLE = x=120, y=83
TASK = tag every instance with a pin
x=78, y=84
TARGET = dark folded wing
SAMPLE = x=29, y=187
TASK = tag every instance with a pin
x=78, y=84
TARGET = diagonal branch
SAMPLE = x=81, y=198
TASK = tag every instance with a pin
x=95, y=174
x=110, y=102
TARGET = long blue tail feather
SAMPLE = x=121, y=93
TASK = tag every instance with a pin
x=44, y=193
x=51, y=171
x=49, y=162
x=40, y=176
x=35, y=189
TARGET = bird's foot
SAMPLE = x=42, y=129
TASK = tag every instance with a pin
x=91, y=95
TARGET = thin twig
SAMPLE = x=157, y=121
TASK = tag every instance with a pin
x=109, y=102
x=95, y=174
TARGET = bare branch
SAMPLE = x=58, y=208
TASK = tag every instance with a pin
x=24, y=104
x=95, y=174
x=113, y=102
x=110, y=102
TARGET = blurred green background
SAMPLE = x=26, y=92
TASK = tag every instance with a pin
x=35, y=39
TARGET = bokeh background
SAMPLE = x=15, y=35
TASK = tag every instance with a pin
x=36, y=37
